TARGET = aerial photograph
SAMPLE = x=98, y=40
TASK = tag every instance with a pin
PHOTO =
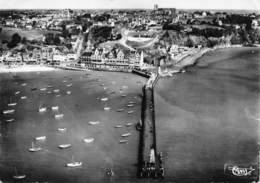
x=139, y=91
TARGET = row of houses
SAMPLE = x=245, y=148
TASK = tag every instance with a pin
x=39, y=55
x=99, y=59
x=113, y=59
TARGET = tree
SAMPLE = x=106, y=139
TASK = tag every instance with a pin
x=16, y=38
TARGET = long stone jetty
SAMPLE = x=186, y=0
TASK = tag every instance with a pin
x=150, y=161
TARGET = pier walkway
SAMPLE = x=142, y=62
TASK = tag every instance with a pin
x=150, y=161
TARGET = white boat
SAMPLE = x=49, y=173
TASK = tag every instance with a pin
x=123, y=141
x=24, y=84
x=131, y=102
x=57, y=95
x=74, y=164
x=106, y=108
x=8, y=111
x=49, y=86
x=64, y=146
x=88, y=140
x=118, y=126
x=43, y=89
x=105, y=88
x=42, y=109
x=120, y=110
x=10, y=120
x=18, y=92
x=69, y=85
x=55, y=108
x=64, y=81
x=12, y=104
x=49, y=92
x=130, y=112
x=68, y=92
x=58, y=116
x=93, y=122
x=34, y=149
x=62, y=129
x=41, y=138
x=104, y=99
x=56, y=90
x=129, y=124
x=17, y=176
x=23, y=97
x=126, y=135
x=129, y=105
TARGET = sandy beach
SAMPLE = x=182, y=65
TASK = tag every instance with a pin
x=25, y=68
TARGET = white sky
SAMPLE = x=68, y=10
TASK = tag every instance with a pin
x=105, y=4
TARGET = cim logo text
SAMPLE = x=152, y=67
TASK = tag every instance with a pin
x=238, y=171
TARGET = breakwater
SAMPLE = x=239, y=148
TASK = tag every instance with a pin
x=150, y=161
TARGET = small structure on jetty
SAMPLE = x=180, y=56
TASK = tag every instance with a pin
x=150, y=161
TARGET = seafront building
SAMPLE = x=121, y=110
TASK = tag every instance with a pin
x=116, y=59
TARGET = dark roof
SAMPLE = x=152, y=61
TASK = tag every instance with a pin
x=87, y=54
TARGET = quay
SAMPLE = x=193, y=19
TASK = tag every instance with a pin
x=150, y=161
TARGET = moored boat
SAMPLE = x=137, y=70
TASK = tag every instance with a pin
x=93, y=122
x=126, y=135
x=129, y=124
x=104, y=99
x=55, y=108
x=17, y=92
x=69, y=85
x=68, y=92
x=8, y=111
x=12, y=104
x=106, y=108
x=40, y=138
x=138, y=126
x=58, y=116
x=123, y=95
x=43, y=89
x=18, y=176
x=23, y=97
x=56, y=91
x=88, y=140
x=34, y=149
x=120, y=110
x=64, y=146
x=129, y=105
x=10, y=120
x=130, y=112
x=42, y=109
x=74, y=164
x=123, y=141
x=57, y=95
x=119, y=126
x=62, y=129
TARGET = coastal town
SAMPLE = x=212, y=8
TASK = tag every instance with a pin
x=120, y=40
x=161, y=94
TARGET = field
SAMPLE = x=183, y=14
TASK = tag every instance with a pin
x=7, y=33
